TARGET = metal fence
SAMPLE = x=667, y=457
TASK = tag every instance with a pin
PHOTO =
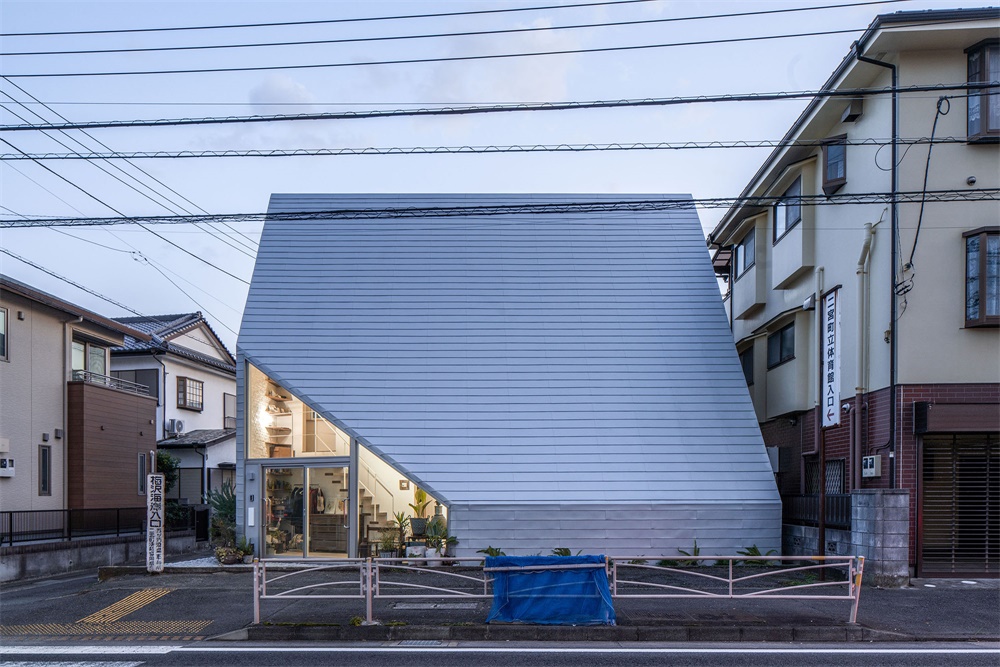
x=58, y=525
x=818, y=578
x=804, y=510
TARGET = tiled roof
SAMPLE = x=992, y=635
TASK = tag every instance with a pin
x=199, y=438
x=161, y=327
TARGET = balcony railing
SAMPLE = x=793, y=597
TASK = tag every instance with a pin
x=804, y=510
x=51, y=525
x=108, y=381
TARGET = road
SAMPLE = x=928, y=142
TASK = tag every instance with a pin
x=522, y=655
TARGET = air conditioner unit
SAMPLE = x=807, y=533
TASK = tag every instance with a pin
x=174, y=426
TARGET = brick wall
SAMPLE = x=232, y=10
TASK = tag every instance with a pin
x=794, y=438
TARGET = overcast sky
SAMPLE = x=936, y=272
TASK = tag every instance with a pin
x=134, y=267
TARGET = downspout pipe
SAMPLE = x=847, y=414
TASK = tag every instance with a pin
x=859, y=389
x=893, y=223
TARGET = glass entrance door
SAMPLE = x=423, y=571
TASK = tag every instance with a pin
x=328, y=520
x=307, y=511
x=283, y=511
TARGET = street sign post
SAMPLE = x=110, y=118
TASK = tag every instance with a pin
x=154, y=522
x=831, y=360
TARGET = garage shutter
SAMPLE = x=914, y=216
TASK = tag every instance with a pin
x=960, y=507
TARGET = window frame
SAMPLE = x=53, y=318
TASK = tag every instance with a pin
x=832, y=185
x=746, y=360
x=44, y=470
x=779, y=336
x=187, y=387
x=982, y=99
x=88, y=347
x=983, y=319
x=141, y=469
x=784, y=207
x=740, y=253
x=228, y=418
x=4, y=334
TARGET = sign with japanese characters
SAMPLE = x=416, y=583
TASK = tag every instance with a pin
x=155, y=519
x=830, y=323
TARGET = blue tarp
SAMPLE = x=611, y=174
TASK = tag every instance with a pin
x=550, y=590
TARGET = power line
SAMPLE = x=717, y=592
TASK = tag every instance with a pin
x=327, y=21
x=583, y=206
x=68, y=281
x=442, y=59
x=467, y=33
x=134, y=166
x=503, y=108
x=108, y=206
x=469, y=150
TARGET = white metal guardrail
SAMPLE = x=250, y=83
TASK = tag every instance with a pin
x=820, y=578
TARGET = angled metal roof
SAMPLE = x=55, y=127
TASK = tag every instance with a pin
x=198, y=438
x=526, y=358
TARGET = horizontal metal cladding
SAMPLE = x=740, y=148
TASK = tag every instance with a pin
x=580, y=356
x=638, y=529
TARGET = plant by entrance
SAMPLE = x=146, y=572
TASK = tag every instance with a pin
x=418, y=522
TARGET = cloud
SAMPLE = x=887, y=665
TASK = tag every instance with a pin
x=278, y=90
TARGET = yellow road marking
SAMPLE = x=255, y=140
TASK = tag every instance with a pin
x=116, y=628
x=123, y=608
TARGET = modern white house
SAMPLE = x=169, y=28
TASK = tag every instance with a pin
x=553, y=370
x=864, y=291
x=188, y=369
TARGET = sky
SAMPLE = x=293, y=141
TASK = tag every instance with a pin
x=183, y=268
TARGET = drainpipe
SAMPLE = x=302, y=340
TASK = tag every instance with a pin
x=67, y=376
x=204, y=471
x=862, y=351
x=818, y=422
x=893, y=222
x=162, y=400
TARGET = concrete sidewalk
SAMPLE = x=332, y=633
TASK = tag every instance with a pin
x=927, y=610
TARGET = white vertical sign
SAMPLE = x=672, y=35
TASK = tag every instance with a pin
x=831, y=360
x=155, y=518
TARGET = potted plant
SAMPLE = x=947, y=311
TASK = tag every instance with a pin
x=246, y=549
x=418, y=523
x=387, y=544
x=400, y=521
x=436, y=536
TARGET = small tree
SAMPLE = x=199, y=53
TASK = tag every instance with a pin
x=168, y=466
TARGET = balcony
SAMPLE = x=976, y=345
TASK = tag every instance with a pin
x=113, y=383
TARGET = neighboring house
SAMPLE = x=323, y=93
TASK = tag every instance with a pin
x=552, y=375
x=908, y=383
x=193, y=376
x=71, y=437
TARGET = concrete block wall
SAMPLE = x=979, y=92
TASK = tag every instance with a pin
x=880, y=531
x=30, y=561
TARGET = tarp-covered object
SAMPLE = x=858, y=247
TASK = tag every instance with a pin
x=550, y=590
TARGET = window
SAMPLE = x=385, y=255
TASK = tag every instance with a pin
x=228, y=411
x=781, y=346
x=788, y=210
x=190, y=394
x=3, y=335
x=744, y=254
x=141, y=469
x=984, y=104
x=834, y=164
x=44, y=470
x=90, y=357
x=982, y=277
x=746, y=361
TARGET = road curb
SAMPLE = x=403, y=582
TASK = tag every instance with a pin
x=620, y=633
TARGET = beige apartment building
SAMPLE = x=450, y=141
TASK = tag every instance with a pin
x=71, y=436
x=898, y=385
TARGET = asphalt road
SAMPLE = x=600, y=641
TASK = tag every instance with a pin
x=506, y=655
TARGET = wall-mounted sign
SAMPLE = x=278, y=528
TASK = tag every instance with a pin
x=830, y=319
x=155, y=519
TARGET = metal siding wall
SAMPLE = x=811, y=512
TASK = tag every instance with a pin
x=652, y=530
x=534, y=358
